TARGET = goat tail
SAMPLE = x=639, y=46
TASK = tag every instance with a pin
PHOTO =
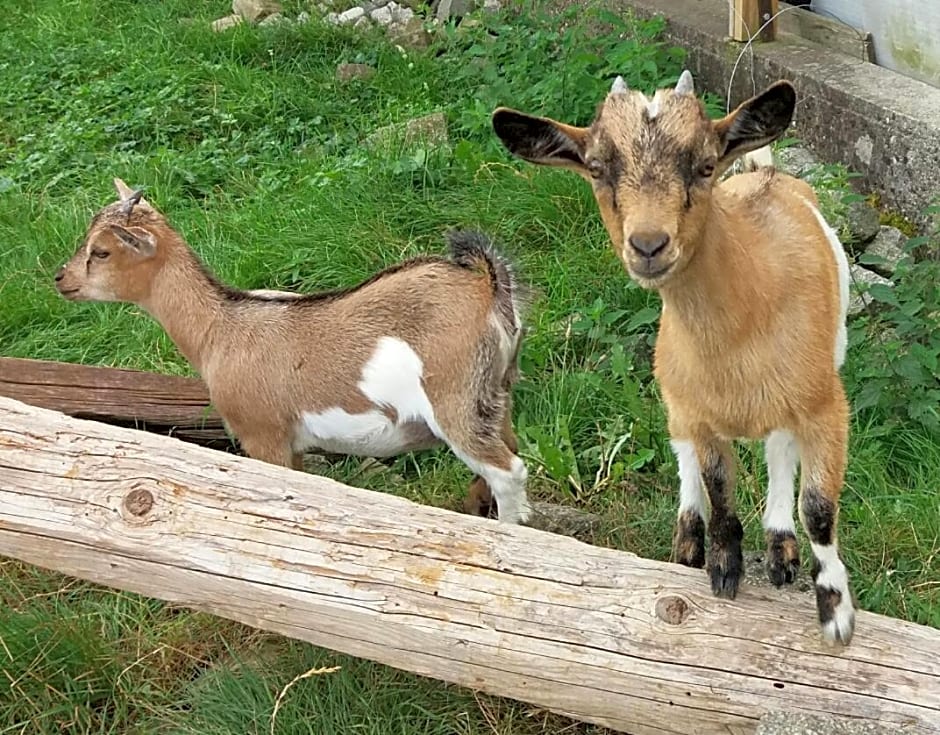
x=755, y=160
x=474, y=250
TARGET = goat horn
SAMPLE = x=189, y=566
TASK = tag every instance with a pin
x=685, y=85
x=133, y=200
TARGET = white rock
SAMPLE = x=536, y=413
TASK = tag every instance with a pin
x=303, y=17
x=889, y=245
x=273, y=20
x=362, y=22
x=331, y=18
x=401, y=14
x=797, y=160
x=491, y=6
x=256, y=10
x=428, y=131
x=353, y=14
x=382, y=16
x=223, y=24
x=861, y=279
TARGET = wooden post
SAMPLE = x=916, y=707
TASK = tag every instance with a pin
x=605, y=636
x=745, y=17
x=164, y=404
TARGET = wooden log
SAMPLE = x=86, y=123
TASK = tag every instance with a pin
x=746, y=17
x=164, y=404
x=601, y=635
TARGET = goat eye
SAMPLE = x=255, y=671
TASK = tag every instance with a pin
x=706, y=170
x=100, y=254
x=595, y=168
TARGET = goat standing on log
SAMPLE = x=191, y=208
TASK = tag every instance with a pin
x=424, y=352
x=754, y=286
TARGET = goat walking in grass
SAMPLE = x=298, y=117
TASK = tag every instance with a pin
x=424, y=352
x=754, y=286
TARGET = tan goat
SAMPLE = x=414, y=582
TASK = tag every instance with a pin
x=754, y=286
x=424, y=352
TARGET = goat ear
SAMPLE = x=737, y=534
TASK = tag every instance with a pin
x=756, y=122
x=541, y=140
x=137, y=238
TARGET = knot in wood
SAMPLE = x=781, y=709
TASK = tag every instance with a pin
x=138, y=502
x=672, y=609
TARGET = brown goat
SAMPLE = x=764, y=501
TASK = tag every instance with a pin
x=425, y=352
x=754, y=286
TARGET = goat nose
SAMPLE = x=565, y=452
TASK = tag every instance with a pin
x=60, y=274
x=649, y=244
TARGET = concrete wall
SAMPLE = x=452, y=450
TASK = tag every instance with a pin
x=905, y=33
x=883, y=125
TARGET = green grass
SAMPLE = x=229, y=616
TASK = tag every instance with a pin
x=257, y=155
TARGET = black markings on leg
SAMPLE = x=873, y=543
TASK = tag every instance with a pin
x=689, y=542
x=827, y=598
x=818, y=516
x=783, y=557
x=725, y=559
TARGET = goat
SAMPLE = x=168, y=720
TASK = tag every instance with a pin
x=754, y=288
x=423, y=353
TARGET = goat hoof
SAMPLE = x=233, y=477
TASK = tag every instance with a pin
x=517, y=512
x=783, y=558
x=689, y=542
x=781, y=572
x=834, y=601
x=691, y=555
x=836, y=614
x=726, y=567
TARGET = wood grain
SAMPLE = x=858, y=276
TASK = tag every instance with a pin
x=601, y=635
x=164, y=404
x=745, y=17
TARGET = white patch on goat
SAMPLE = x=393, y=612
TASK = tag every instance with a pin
x=842, y=264
x=394, y=377
x=652, y=106
x=507, y=343
x=270, y=293
x=832, y=575
x=691, y=492
x=391, y=378
x=369, y=434
x=507, y=486
x=782, y=455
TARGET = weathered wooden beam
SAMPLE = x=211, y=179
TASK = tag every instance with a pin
x=164, y=404
x=601, y=635
x=746, y=17
x=829, y=32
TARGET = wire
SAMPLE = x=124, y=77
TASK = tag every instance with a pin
x=747, y=46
